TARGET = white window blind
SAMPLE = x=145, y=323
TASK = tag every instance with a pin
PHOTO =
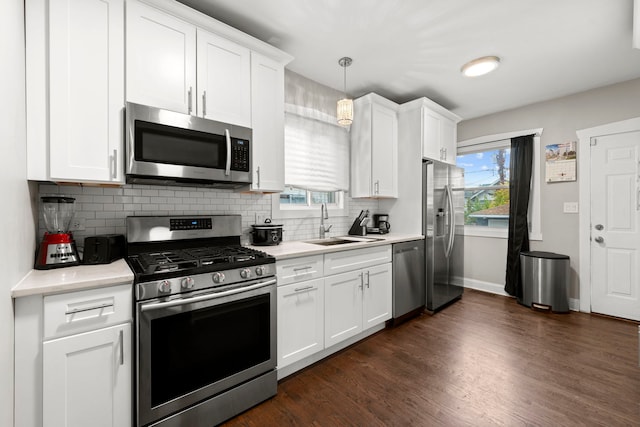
x=316, y=150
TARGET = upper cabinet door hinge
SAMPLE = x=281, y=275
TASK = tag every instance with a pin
x=594, y=142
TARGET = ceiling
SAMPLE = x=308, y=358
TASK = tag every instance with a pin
x=406, y=49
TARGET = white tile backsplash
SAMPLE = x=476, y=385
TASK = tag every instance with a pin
x=105, y=208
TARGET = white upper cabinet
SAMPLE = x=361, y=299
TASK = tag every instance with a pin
x=267, y=90
x=75, y=90
x=174, y=65
x=374, y=148
x=224, y=80
x=161, y=59
x=434, y=126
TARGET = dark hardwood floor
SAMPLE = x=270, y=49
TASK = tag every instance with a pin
x=483, y=361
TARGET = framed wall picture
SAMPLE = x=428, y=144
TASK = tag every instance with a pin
x=560, y=162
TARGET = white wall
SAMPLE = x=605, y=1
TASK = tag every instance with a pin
x=485, y=259
x=16, y=217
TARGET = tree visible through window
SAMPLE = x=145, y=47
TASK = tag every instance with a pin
x=486, y=186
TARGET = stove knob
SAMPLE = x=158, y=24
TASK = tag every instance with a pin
x=218, y=277
x=164, y=286
x=259, y=271
x=245, y=273
x=187, y=283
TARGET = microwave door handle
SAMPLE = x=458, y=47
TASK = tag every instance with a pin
x=228, y=167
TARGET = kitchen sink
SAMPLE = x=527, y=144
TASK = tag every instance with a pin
x=331, y=241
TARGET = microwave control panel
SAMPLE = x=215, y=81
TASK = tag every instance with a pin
x=240, y=155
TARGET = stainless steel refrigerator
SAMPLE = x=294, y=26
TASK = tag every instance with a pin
x=443, y=228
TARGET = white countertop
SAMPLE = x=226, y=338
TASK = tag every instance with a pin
x=79, y=277
x=294, y=249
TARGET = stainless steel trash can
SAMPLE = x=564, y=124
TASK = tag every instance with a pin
x=545, y=281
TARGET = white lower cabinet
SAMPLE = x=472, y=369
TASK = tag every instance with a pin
x=300, y=320
x=356, y=301
x=324, y=300
x=87, y=379
x=74, y=358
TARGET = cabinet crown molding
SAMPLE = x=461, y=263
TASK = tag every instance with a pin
x=431, y=105
x=211, y=24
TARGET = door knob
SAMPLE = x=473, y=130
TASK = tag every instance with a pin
x=599, y=239
x=599, y=226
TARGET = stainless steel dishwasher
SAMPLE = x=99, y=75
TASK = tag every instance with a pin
x=409, y=288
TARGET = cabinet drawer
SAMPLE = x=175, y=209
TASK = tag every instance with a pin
x=340, y=262
x=299, y=269
x=74, y=312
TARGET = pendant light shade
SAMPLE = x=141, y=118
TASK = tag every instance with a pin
x=345, y=105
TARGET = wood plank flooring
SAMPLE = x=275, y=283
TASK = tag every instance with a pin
x=483, y=361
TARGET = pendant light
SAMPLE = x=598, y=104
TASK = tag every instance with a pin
x=345, y=105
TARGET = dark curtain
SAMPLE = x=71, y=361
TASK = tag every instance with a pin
x=519, y=189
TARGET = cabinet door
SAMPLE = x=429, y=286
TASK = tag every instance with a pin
x=300, y=320
x=161, y=59
x=224, y=80
x=343, y=306
x=432, y=135
x=267, y=118
x=86, y=90
x=87, y=379
x=384, y=147
x=377, y=295
x=449, y=141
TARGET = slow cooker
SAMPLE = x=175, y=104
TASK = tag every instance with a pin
x=266, y=234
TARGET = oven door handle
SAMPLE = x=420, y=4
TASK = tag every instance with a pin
x=183, y=301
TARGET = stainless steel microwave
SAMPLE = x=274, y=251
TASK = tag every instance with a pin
x=168, y=148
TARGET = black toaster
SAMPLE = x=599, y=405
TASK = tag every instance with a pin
x=103, y=249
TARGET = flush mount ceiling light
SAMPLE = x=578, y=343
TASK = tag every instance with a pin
x=345, y=105
x=480, y=66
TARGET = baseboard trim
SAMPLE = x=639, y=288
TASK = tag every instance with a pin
x=479, y=285
x=498, y=289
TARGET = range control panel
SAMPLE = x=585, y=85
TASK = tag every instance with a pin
x=189, y=224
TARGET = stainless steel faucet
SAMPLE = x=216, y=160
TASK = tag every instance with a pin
x=324, y=214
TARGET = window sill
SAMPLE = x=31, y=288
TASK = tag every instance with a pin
x=496, y=233
x=305, y=211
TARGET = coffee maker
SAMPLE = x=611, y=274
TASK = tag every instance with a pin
x=57, y=249
x=380, y=224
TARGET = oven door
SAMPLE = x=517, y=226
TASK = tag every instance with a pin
x=190, y=349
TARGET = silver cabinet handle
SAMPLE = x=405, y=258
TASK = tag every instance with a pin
x=376, y=187
x=204, y=103
x=367, y=282
x=114, y=173
x=121, y=339
x=190, y=99
x=304, y=288
x=94, y=307
x=599, y=239
x=258, y=175
x=361, y=281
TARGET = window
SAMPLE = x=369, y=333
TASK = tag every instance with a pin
x=486, y=194
x=293, y=197
x=486, y=163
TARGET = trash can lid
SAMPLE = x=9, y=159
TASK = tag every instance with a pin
x=548, y=255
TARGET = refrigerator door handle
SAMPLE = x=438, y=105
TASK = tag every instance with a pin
x=452, y=221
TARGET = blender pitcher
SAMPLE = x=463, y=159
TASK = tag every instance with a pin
x=57, y=249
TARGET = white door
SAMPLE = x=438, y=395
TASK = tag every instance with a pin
x=377, y=295
x=343, y=306
x=300, y=320
x=267, y=120
x=224, y=80
x=615, y=225
x=161, y=59
x=86, y=89
x=87, y=379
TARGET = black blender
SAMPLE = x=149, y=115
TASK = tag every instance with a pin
x=57, y=249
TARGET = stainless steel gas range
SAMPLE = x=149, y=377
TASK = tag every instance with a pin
x=205, y=313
